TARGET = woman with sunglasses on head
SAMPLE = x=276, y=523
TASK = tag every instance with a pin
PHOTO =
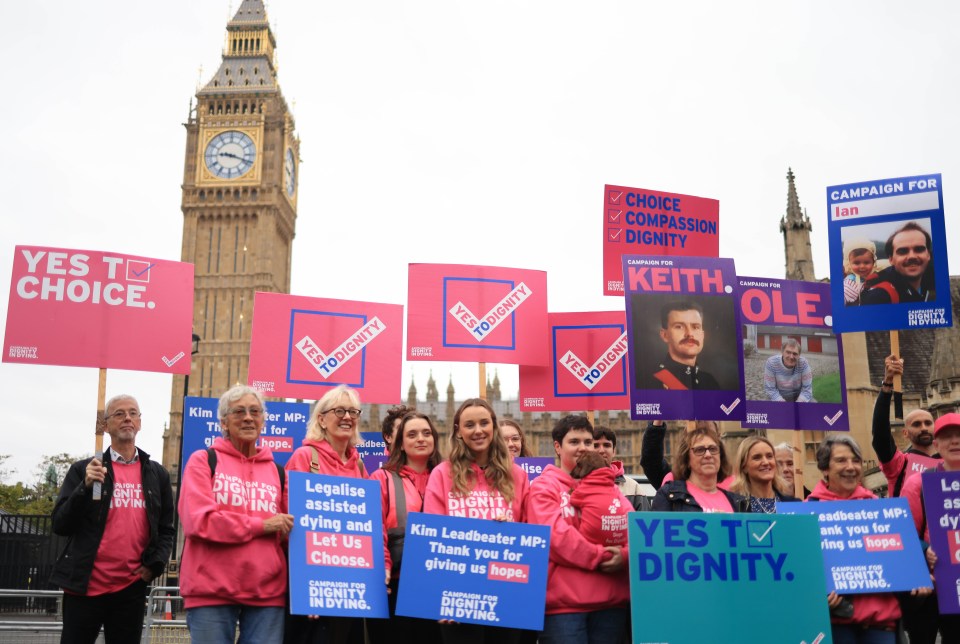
x=329, y=448
x=479, y=466
x=414, y=453
x=699, y=465
x=234, y=568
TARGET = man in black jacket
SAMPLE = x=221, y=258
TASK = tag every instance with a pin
x=117, y=544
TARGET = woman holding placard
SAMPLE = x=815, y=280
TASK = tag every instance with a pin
x=414, y=453
x=757, y=477
x=479, y=480
x=701, y=462
x=329, y=448
x=867, y=619
x=234, y=568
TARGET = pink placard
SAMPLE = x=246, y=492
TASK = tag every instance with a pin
x=637, y=221
x=83, y=308
x=476, y=314
x=303, y=346
x=588, y=368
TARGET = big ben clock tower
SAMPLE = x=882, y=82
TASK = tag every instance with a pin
x=239, y=208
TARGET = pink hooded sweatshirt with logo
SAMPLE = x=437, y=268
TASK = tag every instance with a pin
x=227, y=556
x=574, y=585
x=483, y=502
x=880, y=610
x=603, y=514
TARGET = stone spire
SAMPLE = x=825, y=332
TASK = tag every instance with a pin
x=795, y=226
x=249, y=63
x=451, y=404
x=432, y=394
x=412, y=395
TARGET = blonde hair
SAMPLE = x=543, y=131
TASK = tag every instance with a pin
x=330, y=400
x=499, y=469
x=742, y=484
x=852, y=245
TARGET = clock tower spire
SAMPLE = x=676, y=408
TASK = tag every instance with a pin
x=239, y=203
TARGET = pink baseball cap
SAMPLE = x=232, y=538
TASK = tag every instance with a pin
x=945, y=422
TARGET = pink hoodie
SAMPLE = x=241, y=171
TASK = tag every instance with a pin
x=483, y=502
x=603, y=515
x=879, y=610
x=574, y=584
x=414, y=489
x=227, y=557
x=327, y=459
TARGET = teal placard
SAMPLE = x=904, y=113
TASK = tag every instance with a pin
x=726, y=578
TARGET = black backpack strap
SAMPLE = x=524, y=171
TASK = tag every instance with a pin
x=401, y=500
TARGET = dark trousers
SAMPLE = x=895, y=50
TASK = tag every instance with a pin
x=120, y=614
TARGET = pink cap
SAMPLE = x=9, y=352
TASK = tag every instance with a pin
x=945, y=422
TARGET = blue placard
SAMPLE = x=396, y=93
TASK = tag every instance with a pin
x=533, y=465
x=909, y=286
x=371, y=444
x=692, y=368
x=474, y=571
x=726, y=578
x=336, y=547
x=284, y=427
x=868, y=546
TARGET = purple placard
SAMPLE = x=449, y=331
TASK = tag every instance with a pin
x=942, y=490
x=534, y=465
x=810, y=393
x=692, y=369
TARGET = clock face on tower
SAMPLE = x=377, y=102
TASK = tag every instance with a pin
x=289, y=173
x=230, y=154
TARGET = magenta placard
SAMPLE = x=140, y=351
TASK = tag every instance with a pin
x=637, y=221
x=83, y=308
x=476, y=314
x=588, y=365
x=302, y=346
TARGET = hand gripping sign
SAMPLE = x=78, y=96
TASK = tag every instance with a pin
x=794, y=370
x=648, y=222
x=476, y=314
x=685, y=338
x=888, y=255
x=84, y=308
x=588, y=369
x=302, y=346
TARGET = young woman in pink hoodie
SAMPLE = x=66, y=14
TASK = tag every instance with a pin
x=414, y=453
x=329, y=448
x=234, y=511
x=480, y=481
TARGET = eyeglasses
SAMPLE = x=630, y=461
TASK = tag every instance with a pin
x=121, y=414
x=340, y=412
x=712, y=450
x=514, y=439
x=241, y=412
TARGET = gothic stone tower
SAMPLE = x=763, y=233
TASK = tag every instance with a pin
x=239, y=207
x=795, y=226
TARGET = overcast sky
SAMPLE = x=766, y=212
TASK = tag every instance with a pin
x=459, y=132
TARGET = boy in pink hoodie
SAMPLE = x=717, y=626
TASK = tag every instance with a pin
x=587, y=585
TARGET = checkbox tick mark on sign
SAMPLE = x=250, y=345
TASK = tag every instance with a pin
x=834, y=418
x=613, y=234
x=729, y=408
x=615, y=197
x=760, y=538
x=613, y=216
x=137, y=273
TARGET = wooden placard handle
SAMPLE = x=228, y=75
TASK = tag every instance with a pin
x=101, y=412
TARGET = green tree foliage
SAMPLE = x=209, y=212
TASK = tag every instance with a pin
x=40, y=497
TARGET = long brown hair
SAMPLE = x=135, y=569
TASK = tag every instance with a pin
x=499, y=470
x=398, y=457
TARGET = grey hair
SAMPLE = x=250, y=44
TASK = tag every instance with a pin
x=792, y=342
x=113, y=401
x=825, y=449
x=232, y=395
x=783, y=447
